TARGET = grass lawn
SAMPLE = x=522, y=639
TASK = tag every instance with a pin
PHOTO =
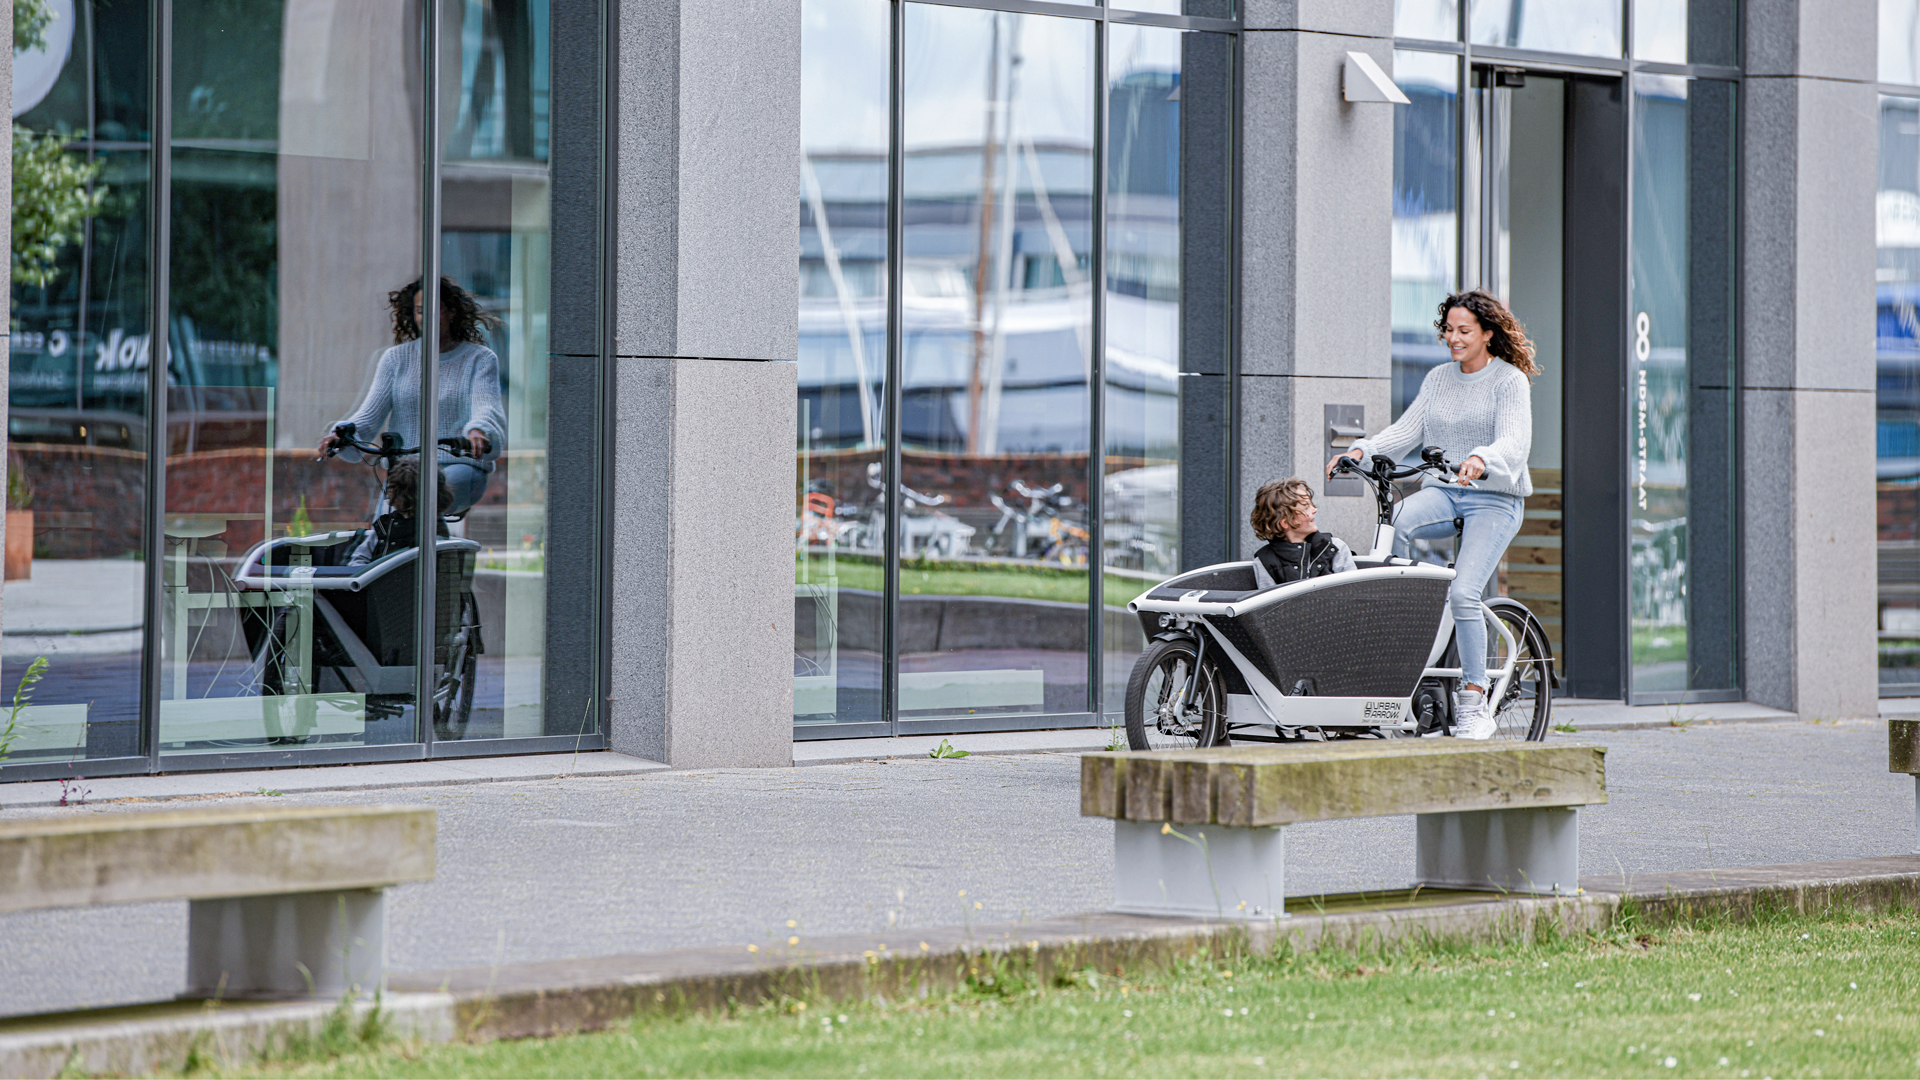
x=1787, y=996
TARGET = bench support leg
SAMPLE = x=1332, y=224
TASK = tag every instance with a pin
x=1521, y=851
x=1206, y=871
x=322, y=944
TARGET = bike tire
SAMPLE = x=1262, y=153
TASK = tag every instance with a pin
x=1157, y=676
x=450, y=719
x=1525, y=712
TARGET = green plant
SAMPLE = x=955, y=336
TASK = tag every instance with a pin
x=30, y=21
x=946, y=750
x=19, y=488
x=1116, y=737
x=20, y=695
x=54, y=193
x=301, y=525
x=1566, y=727
x=269, y=792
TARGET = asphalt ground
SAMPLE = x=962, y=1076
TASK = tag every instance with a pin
x=584, y=866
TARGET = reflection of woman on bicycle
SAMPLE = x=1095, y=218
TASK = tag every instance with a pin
x=1479, y=411
x=469, y=390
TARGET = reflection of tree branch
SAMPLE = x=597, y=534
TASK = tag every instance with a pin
x=53, y=196
x=30, y=21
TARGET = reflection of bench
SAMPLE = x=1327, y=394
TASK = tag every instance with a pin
x=1903, y=756
x=282, y=902
x=1198, y=832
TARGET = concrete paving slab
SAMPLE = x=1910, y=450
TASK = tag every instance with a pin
x=392, y=774
x=1587, y=714
x=844, y=751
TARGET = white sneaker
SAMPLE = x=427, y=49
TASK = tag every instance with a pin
x=1470, y=719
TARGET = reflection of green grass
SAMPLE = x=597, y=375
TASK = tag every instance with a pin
x=1900, y=652
x=939, y=577
x=1659, y=644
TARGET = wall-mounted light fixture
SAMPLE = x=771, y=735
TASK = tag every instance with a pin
x=1361, y=79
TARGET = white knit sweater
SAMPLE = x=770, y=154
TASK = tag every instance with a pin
x=469, y=398
x=1488, y=414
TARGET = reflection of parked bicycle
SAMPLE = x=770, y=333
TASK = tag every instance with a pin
x=1051, y=526
x=352, y=627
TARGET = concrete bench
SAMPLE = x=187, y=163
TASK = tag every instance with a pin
x=1903, y=756
x=1199, y=832
x=282, y=902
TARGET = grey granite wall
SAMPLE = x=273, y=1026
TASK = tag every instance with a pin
x=706, y=221
x=1316, y=238
x=1807, y=387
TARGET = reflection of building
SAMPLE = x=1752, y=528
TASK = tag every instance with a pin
x=1035, y=330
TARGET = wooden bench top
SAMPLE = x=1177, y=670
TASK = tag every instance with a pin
x=1903, y=746
x=208, y=854
x=1277, y=785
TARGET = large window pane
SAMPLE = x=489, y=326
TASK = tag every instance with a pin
x=1680, y=402
x=1141, y=507
x=78, y=431
x=1426, y=218
x=998, y=308
x=1897, y=440
x=1591, y=27
x=496, y=249
x=840, y=511
x=296, y=223
x=1432, y=20
x=1900, y=41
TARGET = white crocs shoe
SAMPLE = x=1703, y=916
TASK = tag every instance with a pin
x=1470, y=719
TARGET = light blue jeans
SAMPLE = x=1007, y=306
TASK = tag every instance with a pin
x=1492, y=519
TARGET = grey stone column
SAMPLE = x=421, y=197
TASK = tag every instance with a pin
x=706, y=221
x=1807, y=384
x=1316, y=246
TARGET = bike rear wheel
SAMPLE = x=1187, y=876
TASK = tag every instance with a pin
x=1524, y=711
x=1155, y=718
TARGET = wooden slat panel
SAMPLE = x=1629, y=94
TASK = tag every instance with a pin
x=1540, y=527
x=1536, y=584
x=1532, y=555
x=1544, y=501
x=1545, y=478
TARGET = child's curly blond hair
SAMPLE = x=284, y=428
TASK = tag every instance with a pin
x=1275, y=503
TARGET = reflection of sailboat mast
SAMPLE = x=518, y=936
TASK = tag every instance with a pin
x=988, y=426
x=843, y=296
x=982, y=263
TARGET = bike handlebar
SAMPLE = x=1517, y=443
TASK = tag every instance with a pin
x=389, y=446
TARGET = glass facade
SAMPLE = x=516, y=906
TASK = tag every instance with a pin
x=996, y=291
x=206, y=582
x=1897, y=370
x=1481, y=178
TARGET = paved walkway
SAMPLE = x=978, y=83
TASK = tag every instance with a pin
x=594, y=865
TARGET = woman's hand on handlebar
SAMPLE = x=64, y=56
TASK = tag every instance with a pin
x=330, y=444
x=1471, y=469
x=478, y=441
x=1354, y=454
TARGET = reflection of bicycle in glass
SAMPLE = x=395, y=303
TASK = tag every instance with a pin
x=924, y=530
x=1050, y=527
x=330, y=624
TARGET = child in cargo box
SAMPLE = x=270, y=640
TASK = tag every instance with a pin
x=1283, y=513
x=395, y=530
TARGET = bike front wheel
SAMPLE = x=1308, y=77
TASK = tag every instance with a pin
x=1524, y=710
x=1156, y=717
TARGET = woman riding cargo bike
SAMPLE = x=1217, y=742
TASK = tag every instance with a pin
x=1373, y=650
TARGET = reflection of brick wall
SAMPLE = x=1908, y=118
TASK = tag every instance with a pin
x=89, y=501
x=966, y=479
x=1899, y=512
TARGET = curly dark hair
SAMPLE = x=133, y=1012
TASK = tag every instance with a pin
x=470, y=321
x=403, y=486
x=1276, y=503
x=1509, y=337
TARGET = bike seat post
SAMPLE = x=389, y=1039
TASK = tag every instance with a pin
x=1459, y=530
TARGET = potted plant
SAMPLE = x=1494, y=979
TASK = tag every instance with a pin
x=19, y=520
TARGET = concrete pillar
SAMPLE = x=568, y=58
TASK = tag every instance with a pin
x=706, y=221
x=1807, y=381
x=1316, y=246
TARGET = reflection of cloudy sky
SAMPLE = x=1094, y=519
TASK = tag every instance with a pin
x=843, y=75
x=947, y=52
